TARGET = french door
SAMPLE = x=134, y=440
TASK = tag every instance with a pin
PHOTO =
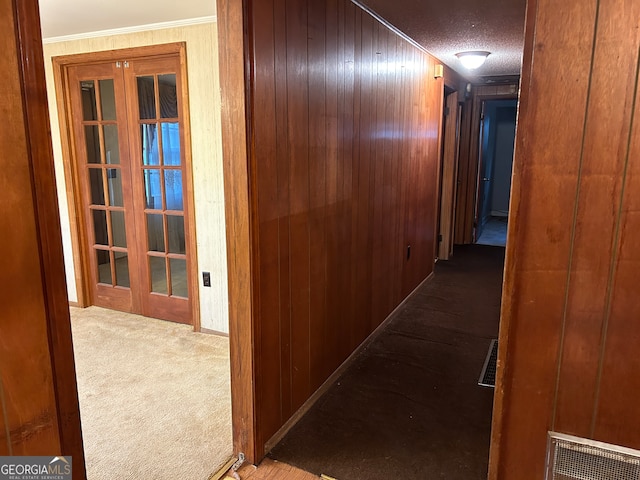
x=128, y=138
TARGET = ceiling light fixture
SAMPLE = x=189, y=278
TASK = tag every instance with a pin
x=472, y=60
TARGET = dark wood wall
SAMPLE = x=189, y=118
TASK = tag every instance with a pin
x=38, y=400
x=345, y=131
x=570, y=320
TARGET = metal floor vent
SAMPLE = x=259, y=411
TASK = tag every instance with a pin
x=574, y=458
x=488, y=374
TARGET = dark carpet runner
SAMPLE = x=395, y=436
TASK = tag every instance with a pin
x=410, y=406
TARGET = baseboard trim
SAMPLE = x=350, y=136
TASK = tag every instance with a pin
x=306, y=406
x=74, y=304
x=213, y=332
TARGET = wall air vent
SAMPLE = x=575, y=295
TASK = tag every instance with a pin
x=574, y=458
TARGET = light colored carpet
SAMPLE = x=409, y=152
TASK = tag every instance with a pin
x=155, y=398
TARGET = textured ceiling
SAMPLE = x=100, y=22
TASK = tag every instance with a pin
x=445, y=27
x=442, y=27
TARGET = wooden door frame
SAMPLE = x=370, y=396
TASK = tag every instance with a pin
x=466, y=201
x=477, y=213
x=31, y=72
x=61, y=65
x=235, y=86
x=449, y=183
x=449, y=173
x=479, y=184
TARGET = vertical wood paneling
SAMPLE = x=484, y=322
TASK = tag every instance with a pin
x=363, y=265
x=347, y=130
x=317, y=188
x=616, y=418
x=596, y=214
x=369, y=147
x=345, y=142
x=282, y=148
x=403, y=150
x=265, y=164
x=378, y=160
x=298, y=158
x=394, y=125
x=569, y=334
x=358, y=106
x=331, y=171
x=536, y=274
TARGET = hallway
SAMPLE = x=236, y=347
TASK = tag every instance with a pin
x=409, y=406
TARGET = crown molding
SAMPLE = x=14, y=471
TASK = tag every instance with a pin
x=134, y=29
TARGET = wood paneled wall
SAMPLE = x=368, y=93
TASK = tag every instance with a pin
x=569, y=337
x=345, y=140
x=38, y=399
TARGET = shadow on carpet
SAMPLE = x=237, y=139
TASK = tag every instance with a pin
x=410, y=406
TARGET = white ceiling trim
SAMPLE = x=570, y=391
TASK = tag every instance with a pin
x=134, y=29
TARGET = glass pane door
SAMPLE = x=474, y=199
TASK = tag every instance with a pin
x=105, y=182
x=161, y=162
x=130, y=161
x=158, y=156
x=99, y=120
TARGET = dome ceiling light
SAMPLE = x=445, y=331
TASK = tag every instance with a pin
x=472, y=60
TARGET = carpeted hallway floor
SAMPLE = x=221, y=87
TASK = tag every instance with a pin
x=494, y=232
x=155, y=399
x=409, y=406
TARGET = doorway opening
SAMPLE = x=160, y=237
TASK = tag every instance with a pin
x=130, y=165
x=496, y=143
x=448, y=173
x=150, y=384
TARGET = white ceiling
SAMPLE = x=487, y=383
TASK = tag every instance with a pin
x=71, y=17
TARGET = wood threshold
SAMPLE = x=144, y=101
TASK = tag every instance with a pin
x=272, y=470
x=224, y=470
x=333, y=378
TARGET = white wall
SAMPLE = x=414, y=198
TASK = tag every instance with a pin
x=206, y=139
